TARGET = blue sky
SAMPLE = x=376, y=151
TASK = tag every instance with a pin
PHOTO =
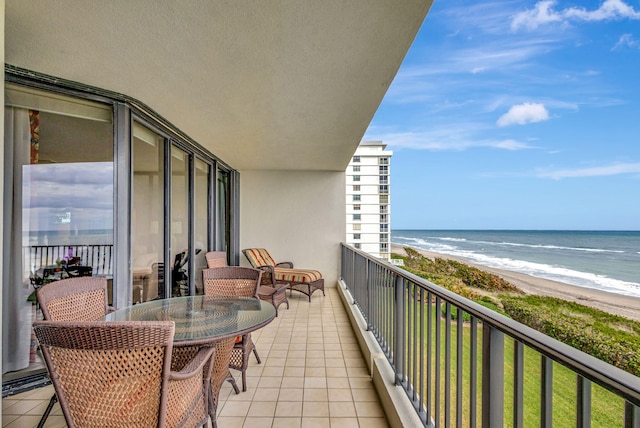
x=517, y=115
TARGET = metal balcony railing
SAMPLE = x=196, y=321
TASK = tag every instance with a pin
x=462, y=364
x=99, y=257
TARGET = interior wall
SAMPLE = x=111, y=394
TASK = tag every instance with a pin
x=299, y=216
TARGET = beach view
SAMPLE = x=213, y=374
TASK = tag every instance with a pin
x=597, y=269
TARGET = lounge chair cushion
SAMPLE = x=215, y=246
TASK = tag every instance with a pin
x=259, y=257
x=296, y=275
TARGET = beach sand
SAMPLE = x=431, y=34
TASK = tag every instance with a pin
x=613, y=303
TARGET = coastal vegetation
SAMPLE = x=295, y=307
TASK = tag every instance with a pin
x=611, y=338
x=605, y=336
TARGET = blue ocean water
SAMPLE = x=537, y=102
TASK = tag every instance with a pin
x=603, y=260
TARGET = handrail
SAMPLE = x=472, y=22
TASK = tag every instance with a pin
x=369, y=280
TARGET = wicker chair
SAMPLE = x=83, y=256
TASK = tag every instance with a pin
x=216, y=259
x=72, y=299
x=117, y=374
x=235, y=281
x=306, y=281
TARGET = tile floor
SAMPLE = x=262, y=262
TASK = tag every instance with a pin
x=312, y=375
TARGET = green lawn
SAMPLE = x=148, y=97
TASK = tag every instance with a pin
x=607, y=408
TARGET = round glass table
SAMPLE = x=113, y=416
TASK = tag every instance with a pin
x=202, y=320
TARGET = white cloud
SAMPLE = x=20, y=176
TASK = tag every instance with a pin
x=544, y=13
x=444, y=140
x=522, y=114
x=626, y=40
x=598, y=171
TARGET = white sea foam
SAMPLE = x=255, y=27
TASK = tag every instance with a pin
x=517, y=244
x=541, y=270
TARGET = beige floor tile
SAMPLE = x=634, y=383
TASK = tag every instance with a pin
x=338, y=382
x=292, y=382
x=257, y=422
x=315, y=423
x=235, y=408
x=295, y=362
x=273, y=371
x=344, y=422
x=287, y=422
x=357, y=372
x=342, y=394
x=6, y=419
x=336, y=372
x=245, y=395
x=315, y=409
x=294, y=354
x=315, y=362
x=275, y=362
x=368, y=409
x=313, y=371
x=262, y=409
x=360, y=382
x=270, y=382
x=289, y=409
x=373, y=422
x=266, y=394
x=315, y=382
x=315, y=394
x=342, y=409
x=279, y=354
x=291, y=394
x=294, y=371
x=230, y=421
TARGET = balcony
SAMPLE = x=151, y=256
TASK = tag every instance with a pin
x=312, y=374
x=344, y=359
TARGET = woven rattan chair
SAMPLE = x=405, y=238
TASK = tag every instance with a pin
x=74, y=299
x=117, y=374
x=216, y=259
x=238, y=282
x=306, y=281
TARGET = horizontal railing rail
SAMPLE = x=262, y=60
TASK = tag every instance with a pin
x=463, y=364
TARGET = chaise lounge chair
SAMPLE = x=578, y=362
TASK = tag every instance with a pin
x=306, y=281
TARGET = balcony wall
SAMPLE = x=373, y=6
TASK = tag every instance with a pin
x=297, y=215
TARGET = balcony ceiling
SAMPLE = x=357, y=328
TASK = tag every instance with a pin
x=278, y=84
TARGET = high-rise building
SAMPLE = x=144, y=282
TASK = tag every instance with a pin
x=368, y=203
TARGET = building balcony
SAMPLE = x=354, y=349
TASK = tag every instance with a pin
x=347, y=359
x=312, y=374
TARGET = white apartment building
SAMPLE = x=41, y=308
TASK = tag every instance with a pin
x=367, y=198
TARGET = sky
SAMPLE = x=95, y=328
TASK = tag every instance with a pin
x=517, y=115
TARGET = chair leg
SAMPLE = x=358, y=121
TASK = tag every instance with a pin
x=233, y=383
x=255, y=352
x=244, y=381
x=52, y=402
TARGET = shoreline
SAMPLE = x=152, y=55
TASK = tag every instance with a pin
x=617, y=304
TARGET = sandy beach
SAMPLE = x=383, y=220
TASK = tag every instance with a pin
x=617, y=304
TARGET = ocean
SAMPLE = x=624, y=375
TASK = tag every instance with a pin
x=603, y=260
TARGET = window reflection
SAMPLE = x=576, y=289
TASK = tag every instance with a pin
x=147, y=220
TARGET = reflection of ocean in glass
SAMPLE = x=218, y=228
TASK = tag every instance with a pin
x=72, y=237
x=604, y=260
x=67, y=204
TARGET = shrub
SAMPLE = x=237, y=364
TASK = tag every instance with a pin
x=608, y=337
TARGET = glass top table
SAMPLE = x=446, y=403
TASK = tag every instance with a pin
x=202, y=319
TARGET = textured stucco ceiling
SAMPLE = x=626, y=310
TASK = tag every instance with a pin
x=261, y=84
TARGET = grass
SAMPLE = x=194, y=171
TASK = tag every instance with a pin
x=607, y=408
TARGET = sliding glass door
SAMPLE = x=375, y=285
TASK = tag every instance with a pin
x=147, y=215
x=59, y=213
